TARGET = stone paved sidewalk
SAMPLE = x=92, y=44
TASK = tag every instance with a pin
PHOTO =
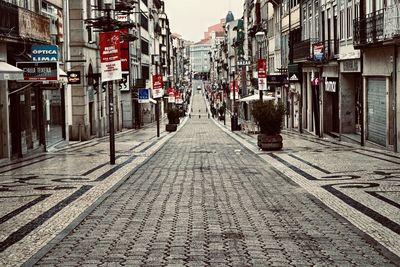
x=210, y=198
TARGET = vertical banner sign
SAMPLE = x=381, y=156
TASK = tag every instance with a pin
x=171, y=95
x=236, y=89
x=262, y=74
x=110, y=56
x=157, y=86
x=124, y=51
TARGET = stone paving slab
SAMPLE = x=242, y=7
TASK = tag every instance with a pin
x=207, y=199
x=201, y=198
x=361, y=184
x=44, y=194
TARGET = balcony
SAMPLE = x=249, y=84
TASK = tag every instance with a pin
x=374, y=28
x=20, y=23
x=302, y=51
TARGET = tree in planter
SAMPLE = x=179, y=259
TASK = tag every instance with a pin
x=173, y=120
x=269, y=117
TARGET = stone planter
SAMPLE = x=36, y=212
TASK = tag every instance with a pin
x=171, y=127
x=269, y=142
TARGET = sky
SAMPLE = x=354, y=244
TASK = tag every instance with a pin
x=191, y=18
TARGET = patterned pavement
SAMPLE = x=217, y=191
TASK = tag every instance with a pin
x=202, y=197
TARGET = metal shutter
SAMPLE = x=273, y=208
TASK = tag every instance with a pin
x=376, y=110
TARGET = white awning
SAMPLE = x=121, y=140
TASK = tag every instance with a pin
x=256, y=97
x=153, y=101
x=10, y=72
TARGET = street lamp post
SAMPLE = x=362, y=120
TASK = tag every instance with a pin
x=260, y=36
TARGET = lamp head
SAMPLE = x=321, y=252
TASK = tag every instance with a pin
x=260, y=36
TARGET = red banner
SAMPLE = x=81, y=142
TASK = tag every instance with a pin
x=158, y=86
x=124, y=51
x=262, y=68
x=236, y=86
x=110, y=56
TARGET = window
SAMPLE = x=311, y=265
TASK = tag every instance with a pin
x=316, y=20
x=145, y=72
x=144, y=21
x=349, y=22
x=342, y=24
x=305, y=35
x=145, y=2
x=145, y=47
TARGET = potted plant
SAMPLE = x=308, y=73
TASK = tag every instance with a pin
x=269, y=115
x=173, y=120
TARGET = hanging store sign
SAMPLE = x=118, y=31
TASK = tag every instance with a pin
x=110, y=56
x=74, y=77
x=44, y=53
x=157, y=86
x=330, y=86
x=39, y=71
x=318, y=51
x=262, y=68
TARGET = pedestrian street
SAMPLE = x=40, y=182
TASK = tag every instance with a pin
x=209, y=198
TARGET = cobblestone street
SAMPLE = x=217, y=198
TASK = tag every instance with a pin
x=202, y=197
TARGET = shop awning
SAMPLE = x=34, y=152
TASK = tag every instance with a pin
x=9, y=72
x=256, y=97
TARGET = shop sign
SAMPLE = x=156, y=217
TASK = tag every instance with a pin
x=276, y=79
x=318, y=51
x=157, y=86
x=110, y=56
x=262, y=68
x=144, y=95
x=352, y=65
x=74, y=77
x=39, y=71
x=44, y=53
x=330, y=86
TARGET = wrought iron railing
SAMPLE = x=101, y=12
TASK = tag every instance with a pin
x=377, y=26
x=303, y=50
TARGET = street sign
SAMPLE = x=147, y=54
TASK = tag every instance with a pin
x=243, y=62
x=144, y=95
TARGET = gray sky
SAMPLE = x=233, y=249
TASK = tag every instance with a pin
x=191, y=18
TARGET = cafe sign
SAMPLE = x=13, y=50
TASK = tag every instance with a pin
x=74, y=77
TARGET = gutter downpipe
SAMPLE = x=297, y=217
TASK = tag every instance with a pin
x=395, y=96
